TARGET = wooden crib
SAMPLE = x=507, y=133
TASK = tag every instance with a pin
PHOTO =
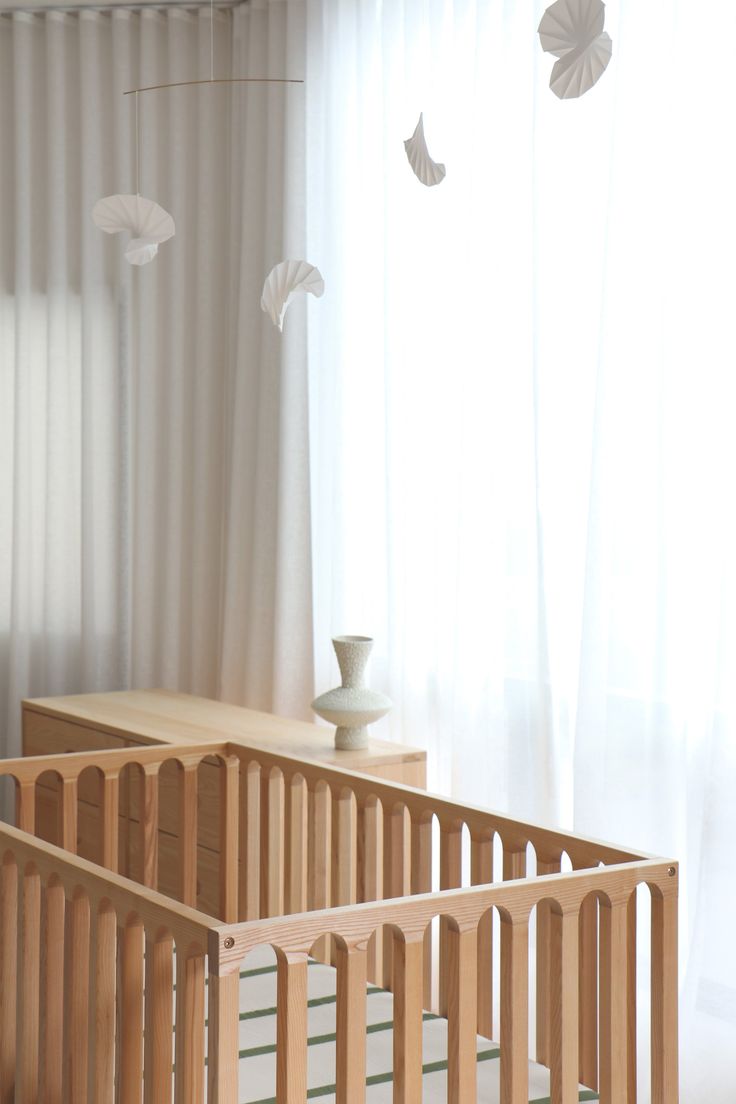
x=119, y=966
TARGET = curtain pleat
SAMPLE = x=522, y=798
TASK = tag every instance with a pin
x=151, y=418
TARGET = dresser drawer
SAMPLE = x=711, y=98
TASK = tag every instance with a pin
x=46, y=735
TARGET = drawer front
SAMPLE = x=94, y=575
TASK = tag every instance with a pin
x=411, y=773
x=44, y=735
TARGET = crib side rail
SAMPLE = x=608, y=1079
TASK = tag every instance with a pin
x=164, y=815
x=313, y=837
x=549, y=843
x=462, y=963
x=103, y=986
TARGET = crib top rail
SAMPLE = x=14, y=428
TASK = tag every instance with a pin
x=549, y=843
x=189, y=928
x=354, y=924
x=69, y=765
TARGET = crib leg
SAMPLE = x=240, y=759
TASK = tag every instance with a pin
x=351, y=1034
x=588, y=993
x=8, y=978
x=408, y=999
x=291, y=1031
x=664, y=997
x=563, y=1019
x=514, y=1010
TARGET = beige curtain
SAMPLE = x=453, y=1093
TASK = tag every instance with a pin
x=154, y=484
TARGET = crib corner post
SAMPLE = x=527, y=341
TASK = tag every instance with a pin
x=665, y=1077
x=408, y=1002
x=222, y=1035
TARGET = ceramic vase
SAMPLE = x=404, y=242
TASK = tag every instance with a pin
x=352, y=706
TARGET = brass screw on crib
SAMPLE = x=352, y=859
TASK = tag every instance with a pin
x=228, y=943
x=672, y=870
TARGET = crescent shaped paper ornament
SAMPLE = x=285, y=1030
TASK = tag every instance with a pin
x=283, y=282
x=147, y=223
x=425, y=169
x=572, y=30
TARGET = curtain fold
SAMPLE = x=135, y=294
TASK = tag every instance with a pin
x=153, y=460
x=521, y=407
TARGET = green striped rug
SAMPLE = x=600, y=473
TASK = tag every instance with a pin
x=258, y=1044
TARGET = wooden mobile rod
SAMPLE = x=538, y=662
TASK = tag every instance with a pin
x=216, y=80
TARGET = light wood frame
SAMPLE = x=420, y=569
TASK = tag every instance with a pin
x=314, y=861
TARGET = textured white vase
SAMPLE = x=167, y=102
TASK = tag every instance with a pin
x=352, y=706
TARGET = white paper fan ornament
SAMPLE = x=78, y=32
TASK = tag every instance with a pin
x=425, y=169
x=283, y=282
x=572, y=30
x=148, y=224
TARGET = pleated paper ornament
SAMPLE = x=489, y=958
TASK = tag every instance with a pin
x=147, y=223
x=425, y=169
x=283, y=282
x=572, y=30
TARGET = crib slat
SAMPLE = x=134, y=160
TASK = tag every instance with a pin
x=28, y=1050
x=613, y=1063
x=408, y=1007
x=190, y=993
x=105, y=986
x=69, y=813
x=461, y=1016
x=346, y=851
x=131, y=1013
x=351, y=1025
x=514, y=1011
x=229, y=868
x=149, y=825
x=250, y=841
x=188, y=832
x=588, y=992
x=291, y=1031
x=110, y=814
x=77, y=995
x=664, y=997
x=544, y=980
x=514, y=863
x=396, y=873
x=421, y=882
x=563, y=1021
x=296, y=845
x=370, y=838
x=450, y=878
x=222, y=1038
x=159, y=1057
x=8, y=977
x=25, y=815
x=53, y=991
x=481, y=873
x=631, y=1042
x=319, y=855
x=272, y=843
x=372, y=865
x=320, y=848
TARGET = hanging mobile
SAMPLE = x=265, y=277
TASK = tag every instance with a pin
x=148, y=223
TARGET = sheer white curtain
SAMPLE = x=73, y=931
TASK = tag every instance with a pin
x=153, y=482
x=521, y=413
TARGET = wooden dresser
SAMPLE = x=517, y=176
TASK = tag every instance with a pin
x=88, y=722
